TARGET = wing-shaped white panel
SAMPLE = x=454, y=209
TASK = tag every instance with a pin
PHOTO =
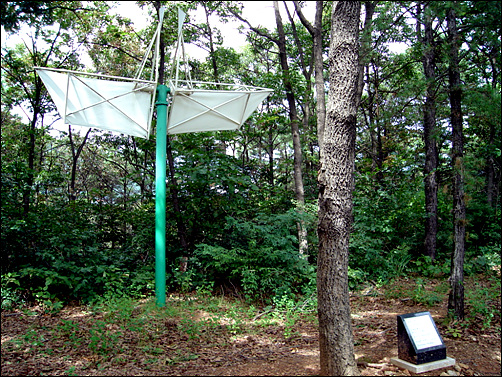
x=196, y=110
x=109, y=103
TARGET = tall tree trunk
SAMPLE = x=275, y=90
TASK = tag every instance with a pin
x=431, y=148
x=307, y=71
x=369, y=7
x=270, y=152
x=31, y=150
x=456, y=296
x=364, y=62
x=31, y=165
x=75, y=154
x=492, y=173
x=295, y=129
x=319, y=72
x=336, y=183
x=316, y=33
x=293, y=116
x=212, y=55
x=374, y=125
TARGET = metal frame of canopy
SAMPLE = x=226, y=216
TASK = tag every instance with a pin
x=238, y=102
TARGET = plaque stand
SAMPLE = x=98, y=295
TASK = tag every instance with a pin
x=420, y=347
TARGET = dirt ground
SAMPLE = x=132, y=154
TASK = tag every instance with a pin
x=31, y=346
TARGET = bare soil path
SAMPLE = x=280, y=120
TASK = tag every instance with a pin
x=193, y=341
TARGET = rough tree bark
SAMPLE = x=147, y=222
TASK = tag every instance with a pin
x=456, y=296
x=431, y=147
x=336, y=183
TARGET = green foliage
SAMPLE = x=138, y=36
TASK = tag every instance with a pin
x=70, y=330
x=454, y=332
x=71, y=265
x=103, y=341
x=426, y=297
x=380, y=217
x=10, y=290
x=289, y=310
x=421, y=290
x=424, y=266
x=261, y=257
x=483, y=240
x=484, y=303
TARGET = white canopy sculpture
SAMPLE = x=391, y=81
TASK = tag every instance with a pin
x=126, y=105
x=111, y=103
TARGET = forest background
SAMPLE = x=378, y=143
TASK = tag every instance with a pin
x=78, y=207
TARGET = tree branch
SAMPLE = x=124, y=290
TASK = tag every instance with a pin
x=255, y=29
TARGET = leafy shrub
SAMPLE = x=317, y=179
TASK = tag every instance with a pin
x=66, y=252
x=257, y=272
x=10, y=290
x=426, y=267
x=381, y=216
x=482, y=303
x=422, y=296
x=356, y=277
x=261, y=257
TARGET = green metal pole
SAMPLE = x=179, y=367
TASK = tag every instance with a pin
x=160, y=196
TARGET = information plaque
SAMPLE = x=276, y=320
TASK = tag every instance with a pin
x=419, y=341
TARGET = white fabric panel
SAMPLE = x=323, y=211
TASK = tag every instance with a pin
x=201, y=110
x=104, y=104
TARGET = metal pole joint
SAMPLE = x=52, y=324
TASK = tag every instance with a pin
x=162, y=92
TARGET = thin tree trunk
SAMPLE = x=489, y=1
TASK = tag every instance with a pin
x=75, y=155
x=431, y=148
x=336, y=184
x=31, y=166
x=369, y=7
x=270, y=151
x=492, y=173
x=31, y=150
x=319, y=73
x=316, y=33
x=295, y=129
x=456, y=296
x=212, y=55
x=364, y=62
